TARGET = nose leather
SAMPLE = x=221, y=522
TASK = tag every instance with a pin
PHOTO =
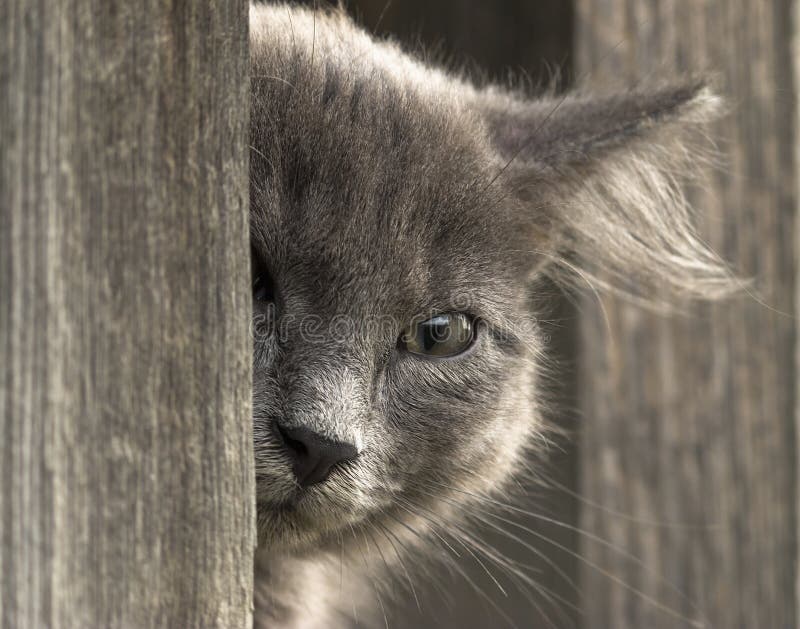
x=313, y=455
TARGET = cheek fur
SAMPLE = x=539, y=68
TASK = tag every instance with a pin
x=458, y=417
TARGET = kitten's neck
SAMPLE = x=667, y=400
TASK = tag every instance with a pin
x=311, y=593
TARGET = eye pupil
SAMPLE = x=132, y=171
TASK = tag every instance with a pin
x=435, y=331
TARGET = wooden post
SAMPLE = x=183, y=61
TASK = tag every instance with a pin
x=126, y=467
x=690, y=423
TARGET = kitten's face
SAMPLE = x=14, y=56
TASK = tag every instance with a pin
x=385, y=194
x=362, y=235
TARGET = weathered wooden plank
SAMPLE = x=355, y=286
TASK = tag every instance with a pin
x=126, y=461
x=690, y=422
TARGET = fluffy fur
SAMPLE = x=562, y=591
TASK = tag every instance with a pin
x=384, y=190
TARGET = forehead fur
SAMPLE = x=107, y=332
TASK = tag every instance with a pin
x=367, y=164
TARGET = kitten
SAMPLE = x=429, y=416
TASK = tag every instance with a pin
x=401, y=218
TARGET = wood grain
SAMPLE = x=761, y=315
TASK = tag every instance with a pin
x=126, y=460
x=690, y=422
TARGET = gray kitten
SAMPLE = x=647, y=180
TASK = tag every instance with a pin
x=402, y=218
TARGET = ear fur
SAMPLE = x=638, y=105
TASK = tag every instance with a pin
x=606, y=174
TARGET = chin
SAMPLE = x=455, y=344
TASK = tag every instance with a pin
x=308, y=522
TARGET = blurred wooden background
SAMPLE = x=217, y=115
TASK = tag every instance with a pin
x=684, y=474
x=693, y=421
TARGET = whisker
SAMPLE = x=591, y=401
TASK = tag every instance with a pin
x=373, y=580
x=380, y=552
x=446, y=559
x=386, y=534
x=655, y=603
x=539, y=553
x=274, y=78
x=382, y=15
x=479, y=590
x=527, y=144
x=482, y=548
x=631, y=518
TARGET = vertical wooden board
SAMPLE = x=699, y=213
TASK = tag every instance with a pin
x=126, y=460
x=689, y=440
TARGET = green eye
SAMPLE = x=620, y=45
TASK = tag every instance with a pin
x=442, y=336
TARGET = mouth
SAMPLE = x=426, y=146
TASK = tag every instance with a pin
x=293, y=504
x=282, y=507
x=290, y=502
x=293, y=517
x=302, y=520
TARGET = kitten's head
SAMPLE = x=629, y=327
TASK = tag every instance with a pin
x=400, y=219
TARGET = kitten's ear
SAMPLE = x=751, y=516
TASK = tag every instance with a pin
x=572, y=131
x=602, y=176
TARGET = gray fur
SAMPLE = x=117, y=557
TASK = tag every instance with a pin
x=382, y=190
